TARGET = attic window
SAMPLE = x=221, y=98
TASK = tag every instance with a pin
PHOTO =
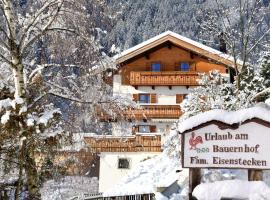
x=155, y=67
x=123, y=163
x=184, y=66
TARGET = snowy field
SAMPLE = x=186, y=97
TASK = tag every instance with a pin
x=68, y=187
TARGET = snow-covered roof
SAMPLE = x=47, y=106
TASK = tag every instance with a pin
x=180, y=41
x=260, y=111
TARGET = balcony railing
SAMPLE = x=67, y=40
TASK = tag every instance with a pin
x=154, y=111
x=167, y=78
x=134, y=143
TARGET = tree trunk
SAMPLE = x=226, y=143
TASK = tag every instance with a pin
x=19, y=184
x=14, y=50
x=32, y=176
x=19, y=81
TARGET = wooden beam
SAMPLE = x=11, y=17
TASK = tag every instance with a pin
x=192, y=55
x=194, y=180
x=255, y=175
x=147, y=56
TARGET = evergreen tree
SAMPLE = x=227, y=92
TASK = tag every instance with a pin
x=265, y=68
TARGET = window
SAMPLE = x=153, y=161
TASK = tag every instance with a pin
x=155, y=67
x=123, y=163
x=184, y=66
x=144, y=129
x=144, y=98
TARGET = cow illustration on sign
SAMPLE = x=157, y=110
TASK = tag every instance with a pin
x=193, y=141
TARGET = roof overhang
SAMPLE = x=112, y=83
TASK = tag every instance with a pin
x=179, y=41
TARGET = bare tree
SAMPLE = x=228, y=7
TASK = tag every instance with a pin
x=48, y=50
x=242, y=26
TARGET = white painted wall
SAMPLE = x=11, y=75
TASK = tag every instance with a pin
x=110, y=175
x=165, y=96
x=125, y=128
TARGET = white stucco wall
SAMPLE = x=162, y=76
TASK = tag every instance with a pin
x=165, y=96
x=125, y=128
x=109, y=172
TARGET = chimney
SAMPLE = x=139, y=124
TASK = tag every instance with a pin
x=222, y=43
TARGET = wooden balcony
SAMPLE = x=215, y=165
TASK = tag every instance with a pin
x=154, y=111
x=134, y=143
x=165, y=78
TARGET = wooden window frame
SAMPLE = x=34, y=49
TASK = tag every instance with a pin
x=192, y=66
x=139, y=97
x=153, y=62
x=152, y=98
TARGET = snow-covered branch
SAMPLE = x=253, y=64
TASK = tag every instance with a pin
x=259, y=94
x=44, y=29
x=76, y=99
x=34, y=19
x=39, y=68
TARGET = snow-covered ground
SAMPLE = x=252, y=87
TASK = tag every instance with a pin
x=68, y=187
x=255, y=190
x=159, y=171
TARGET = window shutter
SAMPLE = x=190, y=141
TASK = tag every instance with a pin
x=135, y=129
x=153, y=98
x=136, y=97
x=179, y=98
x=153, y=129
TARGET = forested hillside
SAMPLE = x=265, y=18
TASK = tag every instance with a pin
x=139, y=20
x=125, y=23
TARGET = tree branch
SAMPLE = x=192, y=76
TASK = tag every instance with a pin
x=76, y=99
x=265, y=91
x=34, y=18
x=41, y=67
x=6, y=60
x=32, y=40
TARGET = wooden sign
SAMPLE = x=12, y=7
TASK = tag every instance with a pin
x=218, y=145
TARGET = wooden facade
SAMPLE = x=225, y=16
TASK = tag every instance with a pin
x=138, y=69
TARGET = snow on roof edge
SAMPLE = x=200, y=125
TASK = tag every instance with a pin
x=260, y=111
x=180, y=37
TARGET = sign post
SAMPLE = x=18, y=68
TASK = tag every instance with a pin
x=194, y=180
x=215, y=144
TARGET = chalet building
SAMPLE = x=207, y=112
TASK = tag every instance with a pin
x=156, y=74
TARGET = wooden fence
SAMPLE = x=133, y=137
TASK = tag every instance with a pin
x=126, y=197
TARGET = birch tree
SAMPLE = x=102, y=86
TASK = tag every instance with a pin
x=31, y=83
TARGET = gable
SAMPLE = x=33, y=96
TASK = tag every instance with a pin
x=168, y=38
x=169, y=56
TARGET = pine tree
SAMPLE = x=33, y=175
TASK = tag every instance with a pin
x=265, y=68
